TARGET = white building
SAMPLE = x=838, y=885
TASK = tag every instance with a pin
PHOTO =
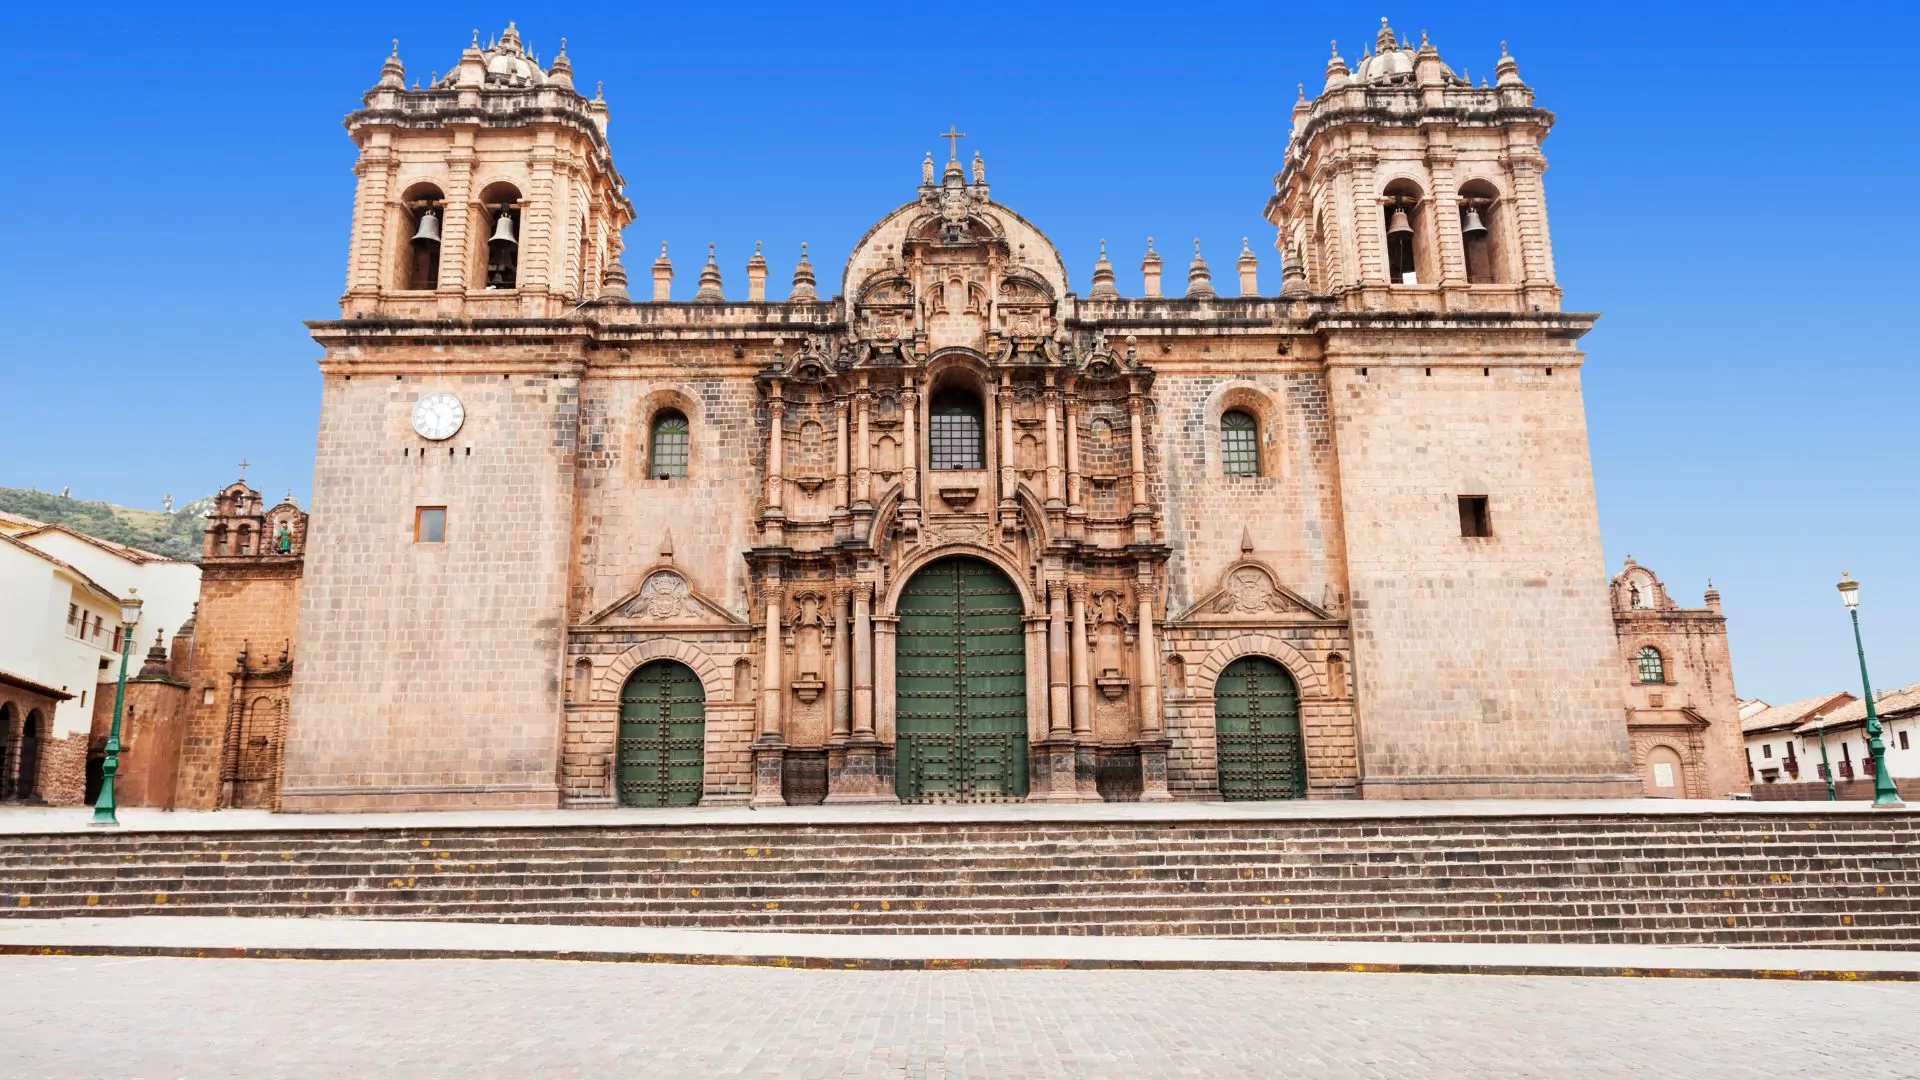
x=1773, y=742
x=1845, y=732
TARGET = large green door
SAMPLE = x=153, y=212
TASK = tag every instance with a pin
x=1256, y=715
x=961, y=677
x=663, y=730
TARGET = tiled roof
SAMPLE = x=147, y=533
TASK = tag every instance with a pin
x=1790, y=714
x=20, y=519
x=67, y=566
x=131, y=554
x=1904, y=700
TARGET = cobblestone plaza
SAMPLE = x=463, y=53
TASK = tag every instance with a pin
x=253, y=1018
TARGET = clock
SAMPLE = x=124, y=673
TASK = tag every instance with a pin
x=438, y=415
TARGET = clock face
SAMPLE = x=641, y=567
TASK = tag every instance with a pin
x=438, y=415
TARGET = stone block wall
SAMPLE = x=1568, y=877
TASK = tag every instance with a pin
x=718, y=658
x=429, y=674
x=255, y=607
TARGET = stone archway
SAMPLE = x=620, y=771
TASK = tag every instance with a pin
x=960, y=685
x=1666, y=772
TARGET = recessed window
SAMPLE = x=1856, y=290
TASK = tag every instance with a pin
x=668, y=447
x=1766, y=750
x=430, y=525
x=955, y=426
x=1903, y=741
x=1474, y=518
x=1653, y=667
x=1239, y=444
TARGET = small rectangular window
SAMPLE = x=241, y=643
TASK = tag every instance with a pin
x=430, y=525
x=73, y=614
x=1766, y=750
x=1903, y=741
x=1474, y=519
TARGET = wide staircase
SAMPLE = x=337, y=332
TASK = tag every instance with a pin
x=1727, y=879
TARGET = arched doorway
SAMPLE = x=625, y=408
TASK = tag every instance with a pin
x=1666, y=774
x=663, y=736
x=960, y=672
x=257, y=754
x=1256, y=717
x=8, y=718
x=26, y=774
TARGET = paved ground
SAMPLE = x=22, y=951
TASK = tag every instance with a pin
x=39, y=819
x=134, y=1018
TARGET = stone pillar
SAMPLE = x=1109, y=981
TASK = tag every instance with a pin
x=862, y=448
x=884, y=627
x=1053, y=448
x=1059, y=694
x=863, y=659
x=1074, y=412
x=843, y=666
x=1008, y=477
x=1444, y=207
x=910, y=447
x=1082, y=682
x=1136, y=434
x=769, y=750
x=776, y=442
x=456, y=260
x=1153, y=738
x=842, y=456
x=1039, y=722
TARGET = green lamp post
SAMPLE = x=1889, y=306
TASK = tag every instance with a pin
x=1884, y=794
x=103, y=809
x=1826, y=767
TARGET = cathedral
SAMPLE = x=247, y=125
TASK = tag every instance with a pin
x=948, y=526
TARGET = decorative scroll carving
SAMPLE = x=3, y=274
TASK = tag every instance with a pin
x=1250, y=592
x=666, y=595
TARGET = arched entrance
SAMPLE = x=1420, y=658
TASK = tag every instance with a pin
x=1666, y=774
x=663, y=736
x=8, y=718
x=26, y=773
x=960, y=673
x=1256, y=717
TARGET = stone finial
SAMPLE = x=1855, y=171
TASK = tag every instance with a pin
x=1384, y=40
x=1246, y=542
x=666, y=546
x=709, y=290
x=393, y=74
x=613, y=281
x=561, y=73
x=979, y=169
x=1712, y=597
x=156, y=666
x=662, y=275
x=1150, y=270
x=1199, y=278
x=926, y=168
x=803, y=285
x=1507, y=71
x=757, y=275
x=1337, y=72
x=1293, y=273
x=1249, y=267
x=1103, y=276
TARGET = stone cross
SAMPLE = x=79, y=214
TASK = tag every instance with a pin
x=953, y=135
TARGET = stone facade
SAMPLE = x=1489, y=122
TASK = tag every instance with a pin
x=530, y=488
x=1683, y=717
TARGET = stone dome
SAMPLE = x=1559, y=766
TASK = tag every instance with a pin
x=1391, y=61
x=506, y=61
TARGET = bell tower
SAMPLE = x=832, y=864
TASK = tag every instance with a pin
x=487, y=192
x=1406, y=187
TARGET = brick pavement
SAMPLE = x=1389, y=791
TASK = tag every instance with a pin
x=217, y=1018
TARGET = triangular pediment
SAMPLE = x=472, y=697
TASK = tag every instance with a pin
x=665, y=598
x=1249, y=592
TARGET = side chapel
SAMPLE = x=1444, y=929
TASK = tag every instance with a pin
x=955, y=529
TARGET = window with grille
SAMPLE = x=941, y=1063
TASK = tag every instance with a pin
x=955, y=427
x=1239, y=444
x=668, y=456
x=1653, y=669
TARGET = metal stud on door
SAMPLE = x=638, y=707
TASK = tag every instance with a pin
x=1256, y=710
x=663, y=727
x=961, y=683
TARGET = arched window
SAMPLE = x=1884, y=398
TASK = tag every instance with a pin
x=1239, y=444
x=667, y=449
x=426, y=211
x=955, y=430
x=501, y=206
x=1653, y=668
x=1479, y=232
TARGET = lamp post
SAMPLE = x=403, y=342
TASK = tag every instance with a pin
x=103, y=806
x=1884, y=794
x=1826, y=767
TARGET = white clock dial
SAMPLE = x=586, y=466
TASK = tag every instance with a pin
x=438, y=415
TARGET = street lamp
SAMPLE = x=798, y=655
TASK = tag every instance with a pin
x=103, y=806
x=1884, y=794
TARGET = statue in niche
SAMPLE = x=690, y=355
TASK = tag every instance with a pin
x=283, y=540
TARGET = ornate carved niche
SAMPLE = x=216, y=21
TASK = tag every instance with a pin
x=1025, y=308
x=886, y=306
x=807, y=638
x=1112, y=643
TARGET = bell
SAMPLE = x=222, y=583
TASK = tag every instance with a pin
x=1399, y=224
x=503, y=228
x=429, y=229
x=1474, y=226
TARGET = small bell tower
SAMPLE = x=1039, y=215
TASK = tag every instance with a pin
x=1407, y=187
x=488, y=191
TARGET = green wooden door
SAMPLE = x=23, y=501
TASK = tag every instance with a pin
x=960, y=674
x=1256, y=715
x=663, y=729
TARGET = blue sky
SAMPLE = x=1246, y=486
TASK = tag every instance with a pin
x=1728, y=186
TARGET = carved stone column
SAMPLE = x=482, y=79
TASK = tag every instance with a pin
x=769, y=750
x=842, y=467
x=1008, y=477
x=863, y=659
x=861, y=770
x=776, y=482
x=910, y=449
x=1054, y=476
x=1136, y=442
x=1074, y=410
x=862, y=448
x=1082, y=682
x=1059, y=695
x=843, y=666
x=1153, y=739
